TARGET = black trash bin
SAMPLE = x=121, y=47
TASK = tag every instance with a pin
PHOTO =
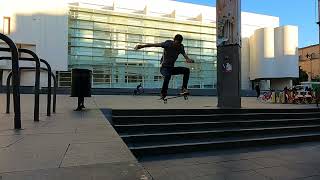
x=81, y=86
x=81, y=83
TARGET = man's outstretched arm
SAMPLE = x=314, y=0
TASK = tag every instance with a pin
x=188, y=60
x=140, y=46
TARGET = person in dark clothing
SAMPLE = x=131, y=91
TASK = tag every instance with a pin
x=257, y=90
x=80, y=103
x=139, y=90
x=317, y=95
x=172, y=49
x=285, y=92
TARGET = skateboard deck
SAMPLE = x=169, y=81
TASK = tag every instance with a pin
x=165, y=100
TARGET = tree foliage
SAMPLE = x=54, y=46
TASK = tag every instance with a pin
x=303, y=76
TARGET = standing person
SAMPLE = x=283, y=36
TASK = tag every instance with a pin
x=139, y=89
x=172, y=49
x=317, y=94
x=257, y=90
x=285, y=92
x=80, y=103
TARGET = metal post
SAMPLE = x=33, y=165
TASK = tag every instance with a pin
x=37, y=83
x=228, y=14
x=30, y=68
x=8, y=92
x=49, y=87
x=15, y=79
x=319, y=27
x=49, y=79
x=54, y=93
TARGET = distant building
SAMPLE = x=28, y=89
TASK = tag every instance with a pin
x=309, y=60
x=100, y=35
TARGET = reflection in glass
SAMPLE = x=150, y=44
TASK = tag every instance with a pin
x=104, y=42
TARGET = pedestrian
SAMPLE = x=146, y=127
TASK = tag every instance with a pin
x=138, y=90
x=257, y=90
x=317, y=94
x=285, y=92
x=171, y=51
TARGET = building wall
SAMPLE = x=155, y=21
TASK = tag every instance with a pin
x=195, y=22
x=105, y=41
x=46, y=24
x=310, y=64
x=274, y=53
x=42, y=24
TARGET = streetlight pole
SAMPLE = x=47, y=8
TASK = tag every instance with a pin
x=319, y=31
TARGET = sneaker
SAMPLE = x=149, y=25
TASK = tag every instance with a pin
x=184, y=91
x=78, y=109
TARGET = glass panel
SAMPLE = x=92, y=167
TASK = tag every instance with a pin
x=105, y=43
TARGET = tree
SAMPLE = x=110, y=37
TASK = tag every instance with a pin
x=303, y=76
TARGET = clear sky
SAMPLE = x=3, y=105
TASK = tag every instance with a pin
x=302, y=13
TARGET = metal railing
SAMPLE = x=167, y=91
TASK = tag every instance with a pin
x=15, y=78
x=50, y=75
x=37, y=80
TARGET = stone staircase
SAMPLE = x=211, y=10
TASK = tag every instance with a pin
x=153, y=132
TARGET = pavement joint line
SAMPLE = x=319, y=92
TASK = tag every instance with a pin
x=64, y=155
x=262, y=175
x=21, y=171
x=15, y=142
x=146, y=170
x=302, y=178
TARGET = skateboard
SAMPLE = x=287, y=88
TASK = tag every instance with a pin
x=185, y=96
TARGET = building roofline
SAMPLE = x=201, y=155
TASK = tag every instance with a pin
x=314, y=45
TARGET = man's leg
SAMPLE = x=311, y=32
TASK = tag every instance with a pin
x=79, y=104
x=82, y=102
x=186, y=73
x=166, y=72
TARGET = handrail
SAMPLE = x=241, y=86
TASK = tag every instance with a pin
x=15, y=79
x=32, y=68
x=37, y=81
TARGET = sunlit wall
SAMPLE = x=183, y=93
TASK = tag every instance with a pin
x=274, y=53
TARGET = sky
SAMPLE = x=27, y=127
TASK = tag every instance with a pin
x=302, y=13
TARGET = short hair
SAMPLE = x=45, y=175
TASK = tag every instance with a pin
x=178, y=37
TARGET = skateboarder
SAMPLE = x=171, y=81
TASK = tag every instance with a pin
x=171, y=51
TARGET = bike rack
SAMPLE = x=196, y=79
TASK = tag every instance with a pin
x=31, y=68
x=49, y=81
x=15, y=79
x=37, y=81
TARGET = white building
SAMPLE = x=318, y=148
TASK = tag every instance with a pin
x=100, y=35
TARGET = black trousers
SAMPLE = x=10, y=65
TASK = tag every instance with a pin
x=167, y=72
x=80, y=102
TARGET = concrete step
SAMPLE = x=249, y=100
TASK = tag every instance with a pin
x=157, y=119
x=150, y=132
x=209, y=125
x=207, y=145
x=173, y=137
x=147, y=112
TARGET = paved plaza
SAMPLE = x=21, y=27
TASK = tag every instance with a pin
x=83, y=145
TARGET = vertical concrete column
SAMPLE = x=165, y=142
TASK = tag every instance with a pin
x=228, y=14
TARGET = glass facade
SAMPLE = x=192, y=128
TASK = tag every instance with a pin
x=104, y=42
